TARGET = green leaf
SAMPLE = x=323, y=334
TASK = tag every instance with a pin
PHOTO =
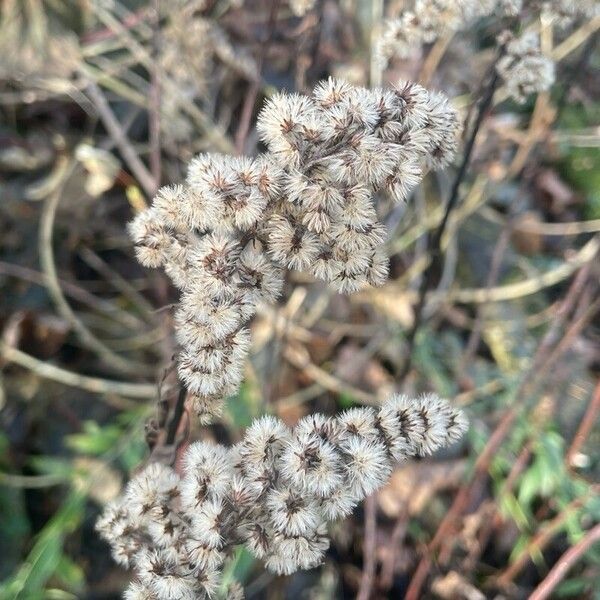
x=572, y=588
x=70, y=573
x=94, y=440
x=530, y=484
x=511, y=506
x=50, y=465
x=14, y=528
x=238, y=568
x=46, y=554
x=346, y=400
x=244, y=406
x=520, y=546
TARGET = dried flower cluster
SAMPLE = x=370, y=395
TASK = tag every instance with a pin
x=191, y=47
x=424, y=21
x=524, y=69
x=226, y=236
x=274, y=492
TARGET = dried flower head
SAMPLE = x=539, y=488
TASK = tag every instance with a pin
x=274, y=492
x=524, y=69
x=227, y=235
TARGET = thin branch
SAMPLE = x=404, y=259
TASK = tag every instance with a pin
x=435, y=260
x=388, y=566
x=585, y=427
x=63, y=307
x=369, y=549
x=91, y=384
x=177, y=414
x=120, y=284
x=138, y=168
x=253, y=89
x=154, y=108
x=542, y=538
x=519, y=289
x=564, y=564
x=106, y=307
x=298, y=356
x=541, y=363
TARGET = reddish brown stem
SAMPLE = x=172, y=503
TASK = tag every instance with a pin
x=564, y=564
x=541, y=363
x=539, y=541
x=586, y=426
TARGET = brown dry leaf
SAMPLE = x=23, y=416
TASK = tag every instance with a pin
x=101, y=168
x=411, y=487
x=454, y=586
x=393, y=304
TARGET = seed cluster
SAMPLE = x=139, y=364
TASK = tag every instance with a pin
x=273, y=492
x=524, y=69
x=424, y=21
x=227, y=235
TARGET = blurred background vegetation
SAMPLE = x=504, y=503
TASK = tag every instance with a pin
x=102, y=101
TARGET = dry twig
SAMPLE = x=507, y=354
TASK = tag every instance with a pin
x=565, y=562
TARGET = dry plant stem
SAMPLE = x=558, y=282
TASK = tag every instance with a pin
x=299, y=357
x=577, y=38
x=77, y=293
x=375, y=70
x=388, y=566
x=252, y=93
x=539, y=367
x=567, y=228
x=91, y=384
x=177, y=415
x=115, y=130
x=539, y=127
x=585, y=427
x=434, y=57
x=435, y=246
x=542, y=538
x=577, y=327
x=120, y=284
x=564, y=564
x=49, y=268
x=212, y=132
x=154, y=110
x=512, y=291
x=369, y=549
x=31, y=481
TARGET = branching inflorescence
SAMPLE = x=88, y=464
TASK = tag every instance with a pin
x=274, y=492
x=226, y=236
